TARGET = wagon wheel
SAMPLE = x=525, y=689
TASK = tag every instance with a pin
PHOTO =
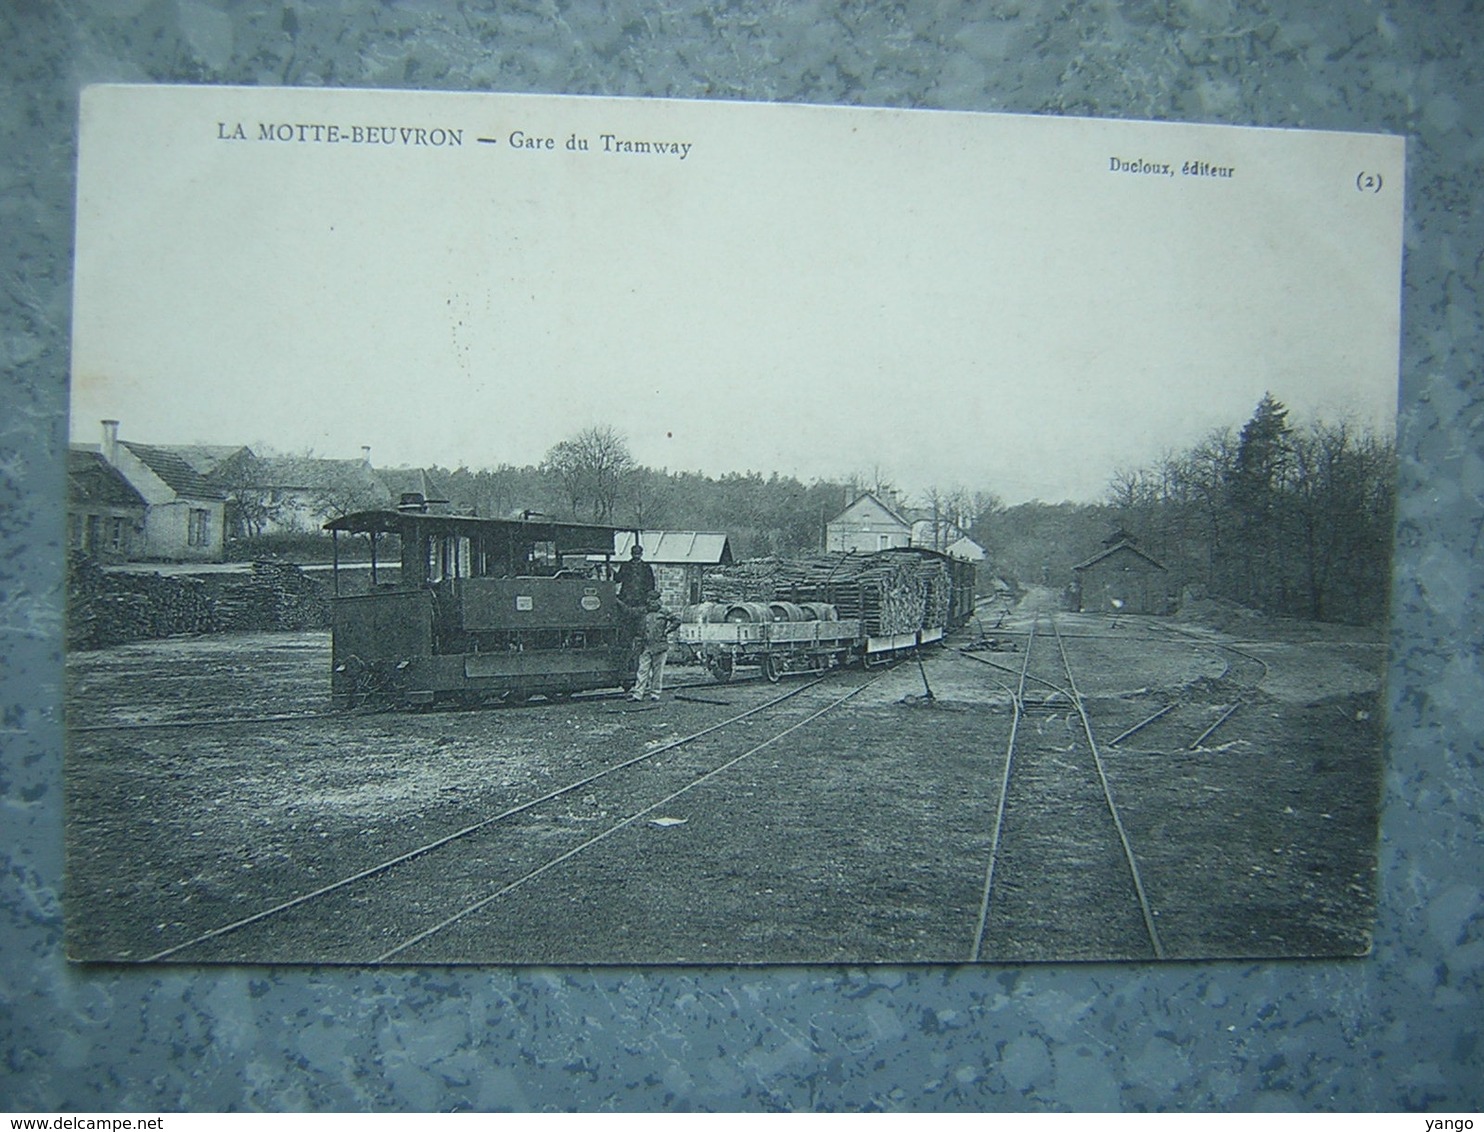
x=721, y=667
x=772, y=667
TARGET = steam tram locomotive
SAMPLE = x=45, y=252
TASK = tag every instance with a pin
x=480, y=608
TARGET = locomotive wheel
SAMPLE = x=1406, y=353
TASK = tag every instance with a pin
x=772, y=668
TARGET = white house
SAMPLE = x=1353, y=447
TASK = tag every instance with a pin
x=183, y=516
x=867, y=525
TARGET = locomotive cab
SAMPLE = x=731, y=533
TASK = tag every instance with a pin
x=474, y=609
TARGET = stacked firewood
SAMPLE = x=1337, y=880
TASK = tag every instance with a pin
x=275, y=595
x=106, y=607
x=894, y=591
x=753, y=580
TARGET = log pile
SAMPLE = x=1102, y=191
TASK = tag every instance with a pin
x=107, y=607
x=892, y=591
x=753, y=580
x=275, y=595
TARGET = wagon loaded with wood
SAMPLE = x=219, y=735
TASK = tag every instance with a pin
x=815, y=613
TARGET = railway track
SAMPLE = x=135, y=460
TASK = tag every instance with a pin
x=513, y=848
x=1181, y=721
x=1191, y=722
x=363, y=713
x=1063, y=879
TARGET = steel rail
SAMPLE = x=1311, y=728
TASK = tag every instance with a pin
x=581, y=697
x=1244, y=695
x=383, y=866
x=624, y=824
x=1189, y=636
x=1143, y=723
x=1055, y=687
x=1207, y=733
x=1018, y=697
x=221, y=721
x=1128, y=850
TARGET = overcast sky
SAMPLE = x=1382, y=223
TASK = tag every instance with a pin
x=955, y=299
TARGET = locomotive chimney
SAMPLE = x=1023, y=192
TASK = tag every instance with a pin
x=111, y=441
x=366, y=454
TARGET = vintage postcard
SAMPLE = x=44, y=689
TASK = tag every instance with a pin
x=554, y=530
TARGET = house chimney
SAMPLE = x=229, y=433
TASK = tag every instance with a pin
x=111, y=441
x=366, y=454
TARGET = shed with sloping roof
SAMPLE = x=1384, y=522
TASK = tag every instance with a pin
x=1122, y=579
x=679, y=558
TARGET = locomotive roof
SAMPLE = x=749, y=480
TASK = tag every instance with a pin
x=573, y=538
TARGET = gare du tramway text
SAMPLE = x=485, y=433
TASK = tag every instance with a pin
x=437, y=137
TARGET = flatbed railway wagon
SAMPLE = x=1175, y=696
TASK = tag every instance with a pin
x=832, y=610
x=777, y=637
x=480, y=609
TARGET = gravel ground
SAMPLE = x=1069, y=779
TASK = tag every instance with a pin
x=863, y=836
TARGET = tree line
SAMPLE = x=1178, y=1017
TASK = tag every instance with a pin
x=591, y=477
x=1294, y=520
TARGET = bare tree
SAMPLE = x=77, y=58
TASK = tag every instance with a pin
x=251, y=504
x=589, y=469
x=344, y=487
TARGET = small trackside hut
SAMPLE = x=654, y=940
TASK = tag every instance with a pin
x=480, y=609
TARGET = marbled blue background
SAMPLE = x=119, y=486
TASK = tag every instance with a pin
x=1398, y=1031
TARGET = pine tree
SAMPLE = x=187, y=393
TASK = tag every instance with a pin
x=1255, y=493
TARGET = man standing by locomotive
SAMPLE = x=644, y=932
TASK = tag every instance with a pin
x=654, y=646
x=635, y=580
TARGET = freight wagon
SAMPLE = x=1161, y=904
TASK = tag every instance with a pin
x=829, y=610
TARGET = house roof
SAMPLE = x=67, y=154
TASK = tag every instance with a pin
x=207, y=458
x=673, y=548
x=311, y=472
x=174, y=470
x=92, y=479
x=864, y=501
x=965, y=548
x=1112, y=550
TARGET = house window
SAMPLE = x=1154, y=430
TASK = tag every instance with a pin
x=883, y=542
x=74, y=531
x=90, y=538
x=199, y=531
x=116, y=534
